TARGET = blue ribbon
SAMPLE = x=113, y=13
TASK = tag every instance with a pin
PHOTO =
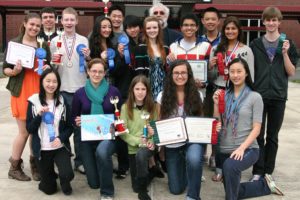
x=41, y=54
x=81, y=57
x=110, y=57
x=48, y=119
x=123, y=39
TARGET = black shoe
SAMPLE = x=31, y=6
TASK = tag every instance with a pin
x=156, y=172
x=67, y=189
x=120, y=175
x=144, y=196
x=163, y=165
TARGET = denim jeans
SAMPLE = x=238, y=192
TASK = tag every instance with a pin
x=76, y=136
x=232, y=170
x=104, y=153
x=274, y=114
x=184, y=165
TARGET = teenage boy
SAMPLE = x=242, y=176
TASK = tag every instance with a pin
x=275, y=60
x=211, y=20
x=162, y=12
x=71, y=77
x=116, y=14
x=48, y=32
x=189, y=46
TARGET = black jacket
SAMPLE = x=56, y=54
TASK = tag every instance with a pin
x=271, y=79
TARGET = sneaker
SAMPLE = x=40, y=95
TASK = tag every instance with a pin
x=80, y=169
x=255, y=177
x=121, y=175
x=203, y=179
x=106, y=198
x=272, y=186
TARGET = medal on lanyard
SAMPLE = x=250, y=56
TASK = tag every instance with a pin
x=81, y=57
x=48, y=119
x=123, y=39
x=229, y=58
x=110, y=58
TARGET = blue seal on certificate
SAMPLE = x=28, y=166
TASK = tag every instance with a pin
x=81, y=57
x=123, y=39
x=48, y=119
x=110, y=57
x=41, y=54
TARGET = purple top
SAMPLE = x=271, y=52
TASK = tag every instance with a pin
x=82, y=105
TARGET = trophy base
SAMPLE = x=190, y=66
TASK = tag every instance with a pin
x=117, y=133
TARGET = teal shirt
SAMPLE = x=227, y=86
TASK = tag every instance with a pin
x=135, y=127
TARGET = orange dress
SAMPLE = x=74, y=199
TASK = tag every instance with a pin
x=30, y=86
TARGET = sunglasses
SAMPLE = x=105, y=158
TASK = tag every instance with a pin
x=160, y=12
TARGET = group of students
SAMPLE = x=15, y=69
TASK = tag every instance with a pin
x=158, y=80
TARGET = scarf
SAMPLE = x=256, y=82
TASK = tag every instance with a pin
x=233, y=105
x=96, y=95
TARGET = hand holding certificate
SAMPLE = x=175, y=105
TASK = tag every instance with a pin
x=199, y=68
x=17, y=51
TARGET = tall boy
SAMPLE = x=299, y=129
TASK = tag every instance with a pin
x=275, y=61
x=71, y=78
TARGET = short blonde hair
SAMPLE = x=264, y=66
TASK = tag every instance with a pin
x=271, y=12
x=70, y=10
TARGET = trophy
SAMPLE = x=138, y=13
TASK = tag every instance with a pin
x=119, y=124
x=145, y=117
x=105, y=7
x=40, y=54
x=57, y=60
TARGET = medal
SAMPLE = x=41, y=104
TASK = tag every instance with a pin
x=69, y=53
x=69, y=64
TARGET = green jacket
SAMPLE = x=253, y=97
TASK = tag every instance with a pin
x=14, y=84
x=135, y=127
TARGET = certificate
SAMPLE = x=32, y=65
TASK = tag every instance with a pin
x=17, y=51
x=169, y=131
x=199, y=129
x=97, y=127
x=199, y=68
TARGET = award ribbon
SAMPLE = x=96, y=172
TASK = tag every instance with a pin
x=123, y=39
x=110, y=58
x=282, y=37
x=41, y=54
x=48, y=119
x=81, y=57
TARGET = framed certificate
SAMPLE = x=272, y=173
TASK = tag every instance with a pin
x=199, y=129
x=97, y=127
x=199, y=68
x=17, y=51
x=169, y=131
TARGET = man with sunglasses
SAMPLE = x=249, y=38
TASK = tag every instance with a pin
x=162, y=13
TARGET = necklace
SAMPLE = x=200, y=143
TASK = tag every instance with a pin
x=69, y=51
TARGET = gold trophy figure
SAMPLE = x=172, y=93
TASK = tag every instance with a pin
x=119, y=124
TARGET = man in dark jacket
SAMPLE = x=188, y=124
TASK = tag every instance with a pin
x=275, y=60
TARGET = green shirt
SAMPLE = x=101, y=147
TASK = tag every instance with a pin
x=135, y=127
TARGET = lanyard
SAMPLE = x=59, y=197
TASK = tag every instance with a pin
x=69, y=53
x=228, y=58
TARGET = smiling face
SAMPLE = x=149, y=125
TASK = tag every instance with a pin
x=133, y=31
x=152, y=29
x=237, y=74
x=105, y=28
x=180, y=75
x=48, y=21
x=231, y=31
x=116, y=18
x=50, y=84
x=189, y=28
x=69, y=22
x=210, y=21
x=96, y=73
x=32, y=27
x=272, y=24
x=139, y=92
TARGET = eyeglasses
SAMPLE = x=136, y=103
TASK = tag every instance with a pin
x=189, y=25
x=160, y=12
x=176, y=74
x=94, y=72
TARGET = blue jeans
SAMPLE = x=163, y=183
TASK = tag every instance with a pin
x=184, y=165
x=104, y=153
x=232, y=170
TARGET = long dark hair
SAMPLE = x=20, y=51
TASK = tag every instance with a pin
x=149, y=104
x=248, y=80
x=192, y=100
x=96, y=37
x=26, y=19
x=222, y=47
x=42, y=94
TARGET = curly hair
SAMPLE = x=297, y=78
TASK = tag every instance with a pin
x=192, y=100
x=149, y=104
x=222, y=47
x=95, y=39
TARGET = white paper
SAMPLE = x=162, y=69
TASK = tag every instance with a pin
x=199, y=68
x=17, y=51
x=171, y=131
x=199, y=130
